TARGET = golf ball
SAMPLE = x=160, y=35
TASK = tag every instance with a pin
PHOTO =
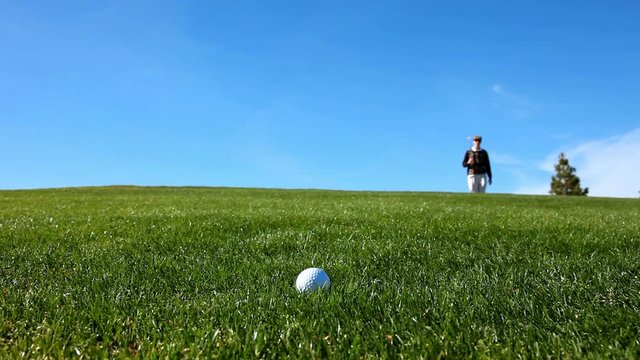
x=312, y=279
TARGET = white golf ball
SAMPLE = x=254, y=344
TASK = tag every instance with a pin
x=312, y=279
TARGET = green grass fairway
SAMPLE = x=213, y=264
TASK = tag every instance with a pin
x=209, y=272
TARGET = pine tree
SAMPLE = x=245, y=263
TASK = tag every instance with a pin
x=565, y=182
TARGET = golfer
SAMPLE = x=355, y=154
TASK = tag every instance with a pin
x=476, y=160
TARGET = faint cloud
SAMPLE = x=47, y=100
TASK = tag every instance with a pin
x=504, y=159
x=496, y=88
x=605, y=166
x=513, y=104
x=531, y=181
x=548, y=164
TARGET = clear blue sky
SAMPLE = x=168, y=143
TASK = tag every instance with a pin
x=353, y=95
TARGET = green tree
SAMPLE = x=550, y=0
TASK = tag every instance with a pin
x=565, y=182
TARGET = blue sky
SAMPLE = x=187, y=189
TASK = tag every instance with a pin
x=352, y=95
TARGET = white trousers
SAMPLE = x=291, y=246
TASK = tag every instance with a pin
x=477, y=183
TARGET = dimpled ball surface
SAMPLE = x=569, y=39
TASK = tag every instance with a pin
x=312, y=279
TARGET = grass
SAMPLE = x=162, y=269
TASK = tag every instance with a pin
x=125, y=272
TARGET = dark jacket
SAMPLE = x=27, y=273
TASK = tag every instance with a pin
x=480, y=165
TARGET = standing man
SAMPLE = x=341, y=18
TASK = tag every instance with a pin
x=476, y=160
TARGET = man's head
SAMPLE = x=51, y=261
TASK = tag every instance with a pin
x=477, y=139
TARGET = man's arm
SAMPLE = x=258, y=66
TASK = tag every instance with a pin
x=489, y=169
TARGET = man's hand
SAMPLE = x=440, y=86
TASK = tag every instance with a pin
x=490, y=181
